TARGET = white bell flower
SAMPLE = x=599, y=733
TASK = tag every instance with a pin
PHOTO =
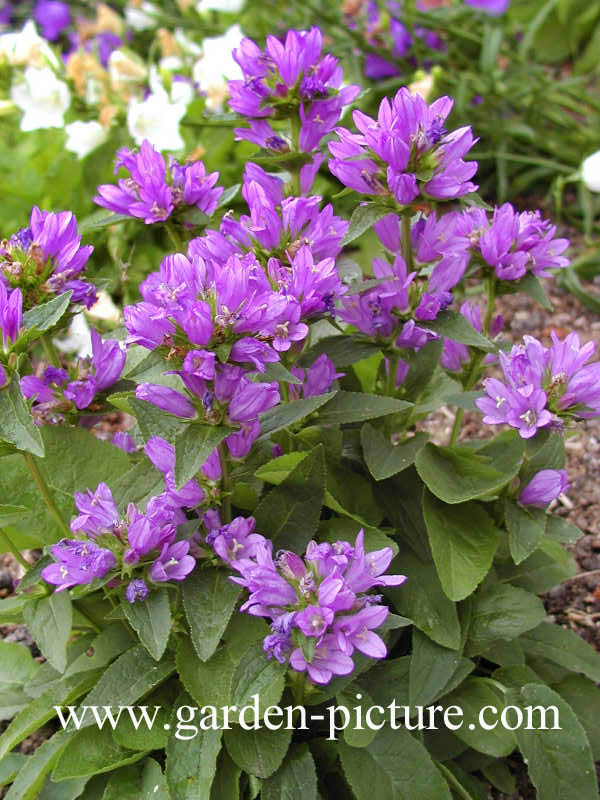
x=217, y=66
x=142, y=17
x=26, y=47
x=42, y=97
x=83, y=137
x=590, y=172
x=229, y=6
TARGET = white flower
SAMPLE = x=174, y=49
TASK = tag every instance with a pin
x=42, y=97
x=26, y=47
x=229, y=6
x=157, y=117
x=83, y=137
x=217, y=65
x=78, y=339
x=142, y=18
x=104, y=308
x=590, y=172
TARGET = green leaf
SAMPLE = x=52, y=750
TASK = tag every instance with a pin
x=452, y=325
x=562, y=647
x=471, y=697
x=364, y=217
x=137, y=485
x=32, y=774
x=548, y=566
x=525, y=528
x=561, y=530
x=132, y=676
x=10, y=514
x=191, y=763
x=259, y=752
x=16, y=425
x=463, y=541
x=257, y=675
x=356, y=701
x=10, y=765
x=74, y=460
x=278, y=469
x=277, y=372
x=559, y=761
x=49, y=621
x=388, y=680
x=193, y=447
x=342, y=350
x=146, y=737
x=226, y=783
x=531, y=285
x=154, y=782
x=101, y=219
x=153, y=421
x=502, y=612
x=584, y=698
x=209, y=598
x=295, y=778
x=42, y=318
x=16, y=665
x=151, y=619
x=550, y=455
x=109, y=644
x=422, y=599
x=286, y=414
x=90, y=752
x=289, y=513
x=456, y=474
x=385, y=459
x=42, y=709
x=357, y=406
x=499, y=775
x=431, y=668
x=395, y=766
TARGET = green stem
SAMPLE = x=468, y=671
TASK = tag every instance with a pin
x=225, y=482
x=491, y=302
x=472, y=379
x=4, y=537
x=458, y=787
x=45, y=492
x=407, y=252
x=295, y=171
x=50, y=351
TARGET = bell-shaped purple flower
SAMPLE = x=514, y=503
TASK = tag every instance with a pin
x=173, y=564
x=544, y=487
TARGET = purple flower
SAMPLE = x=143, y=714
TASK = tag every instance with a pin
x=327, y=660
x=11, y=315
x=288, y=79
x=97, y=511
x=48, y=255
x=251, y=399
x=149, y=531
x=136, y=590
x=53, y=17
x=356, y=631
x=108, y=360
x=162, y=454
x=79, y=562
x=492, y=7
x=81, y=392
x=166, y=398
x=317, y=379
x=417, y=153
x=544, y=487
x=154, y=189
x=124, y=441
x=173, y=564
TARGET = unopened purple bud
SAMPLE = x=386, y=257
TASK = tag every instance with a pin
x=137, y=590
x=544, y=487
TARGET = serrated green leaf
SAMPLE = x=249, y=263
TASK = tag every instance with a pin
x=209, y=598
x=385, y=459
x=502, y=612
x=363, y=218
x=16, y=426
x=43, y=317
x=526, y=527
x=559, y=761
x=153, y=421
x=286, y=414
x=472, y=696
x=278, y=469
x=151, y=619
x=101, y=219
x=49, y=621
x=584, y=698
x=356, y=700
x=463, y=541
x=16, y=665
x=562, y=647
x=348, y=407
x=453, y=325
x=295, y=778
x=257, y=675
x=193, y=446
x=258, y=752
x=431, y=668
x=32, y=774
x=395, y=766
x=92, y=751
x=342, y=350
x=289, y=513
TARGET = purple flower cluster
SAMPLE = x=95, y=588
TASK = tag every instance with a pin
x=155, y=189
x=543, y=386
x=286, y=80
x=318, y=606
x=405, y=152
x=143, y=542
x=56, y=392
x=47, y=258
